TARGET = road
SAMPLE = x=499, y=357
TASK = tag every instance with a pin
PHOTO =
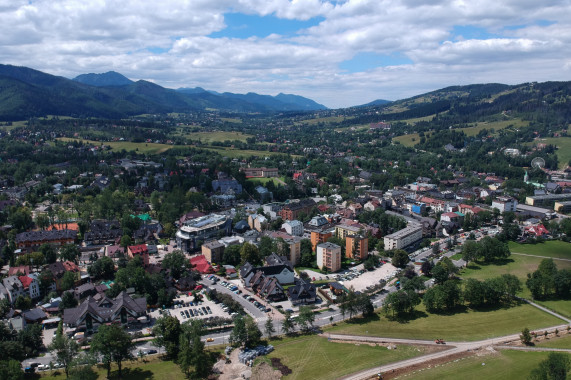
x=455, y=348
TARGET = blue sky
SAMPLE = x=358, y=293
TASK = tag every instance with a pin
x=339, y=53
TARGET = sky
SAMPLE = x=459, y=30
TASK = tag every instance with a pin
x=338, y=53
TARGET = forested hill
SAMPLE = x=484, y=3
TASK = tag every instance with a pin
x=26, y=93
x=465, y=104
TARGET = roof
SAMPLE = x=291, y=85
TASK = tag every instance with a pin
x=26, y=281
x=138, y=249
x=24, y=269
x=105, y=309
x=36, y=314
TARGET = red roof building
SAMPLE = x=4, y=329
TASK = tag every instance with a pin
x=23, y=269
x=139, y=250
x=537, y=230
x=200, y=264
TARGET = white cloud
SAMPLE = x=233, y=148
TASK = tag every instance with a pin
x=70, y=37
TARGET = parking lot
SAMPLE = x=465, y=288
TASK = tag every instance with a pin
x=186, y=309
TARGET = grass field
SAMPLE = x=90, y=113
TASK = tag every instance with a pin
x=561, y=342
x=314, y=357
x=408, y=140
x=147, y=148
x=218, y=136
x=463, y=326
x=264, y=181
x=555, y=248
x=496, y=125
x=152, y=368
x=564, y=149
x=325, y=120
x=236, y=153
x=502, y=365
x=231, y=120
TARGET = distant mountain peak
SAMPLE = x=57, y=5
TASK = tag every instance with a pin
x=110, y=78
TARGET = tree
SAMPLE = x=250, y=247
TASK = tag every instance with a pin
x=512, y=286
x=305, y=318
x=266, y=246
x=231, y=255
x=192, y=353
x=474, y=292
x=541, y=283
x=64, y=349
x=249, y=253
x=269, y=327
x=288, y=324
x=400, y=258
x=526, y=337
x=176, y=262
x=562, y=284
x=103, y=267
x=239, y=335
x=470, y=251
x=50, y=254
x=70, y=252
x=254, y=335
x=67, y=281
x=4, y=307
x=436, y=248
x=113, y=344
x=22, y=302
x=167, y=330
x=11, y=370
x=555, y=367
x=401, y=302
x=31, y=339
x=426, y=268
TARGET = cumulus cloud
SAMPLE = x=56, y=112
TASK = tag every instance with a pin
x=172, y=43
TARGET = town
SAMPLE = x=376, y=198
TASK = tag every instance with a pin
x=127, y=231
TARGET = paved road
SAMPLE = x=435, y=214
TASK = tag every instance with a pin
x=546, y=310
x=455, y=347
x=541, y=257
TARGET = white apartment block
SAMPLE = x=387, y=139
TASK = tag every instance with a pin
x=329, y=256
x=403, y=238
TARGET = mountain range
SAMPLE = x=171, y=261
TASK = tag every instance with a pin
x=26, y=93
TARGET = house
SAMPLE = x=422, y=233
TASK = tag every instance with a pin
x=318, y=237
x=14, y=288
x=20, y=270
x=536, y=230
x=201, y=264
x=35, y=315
x=103, y=232
x=257, y=222
x=185, y=284
x=269, y=289
x=59, y=268
x=225, y=185
x=92, y=313
x=505, y=204
x=293, y=227
x=140, y=250
x=293, y=245
x=302, y=293
x=282, y=272
x=31, y=286
x=83, y=291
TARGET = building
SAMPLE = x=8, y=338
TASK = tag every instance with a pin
x=356, y=247
x=293, y=249
x=257, y=222
x=59, y=268
x=318, y=237
x=329, y=256
x=562, y=207
x=31, y=240
x=260, y=172
x=504, y=204
x=403, y=238
x=213, y=251
x=302, y=293
x=14, y=288
x=293, y=227
x=93, y=312
x=547, y=200
x=31, y=286
x=344, y=230
x=225, y=185
x=292, y=210
x=283, y=273
x=139, y=250
x=197, y=230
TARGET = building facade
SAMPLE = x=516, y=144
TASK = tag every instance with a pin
x=329, y=256
x=403, y=238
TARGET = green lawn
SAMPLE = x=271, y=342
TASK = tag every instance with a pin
x=153, y=368
x=503, y=365
x=463, y=326
x=553, y=248
x=314, y=357
x=263, y=181
x=408, y=140
x=496, y=125
x=563, y=151
x=236, y=153
x=218, y=136
x=562, y=307
x=148, y=148
x=562, y=342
